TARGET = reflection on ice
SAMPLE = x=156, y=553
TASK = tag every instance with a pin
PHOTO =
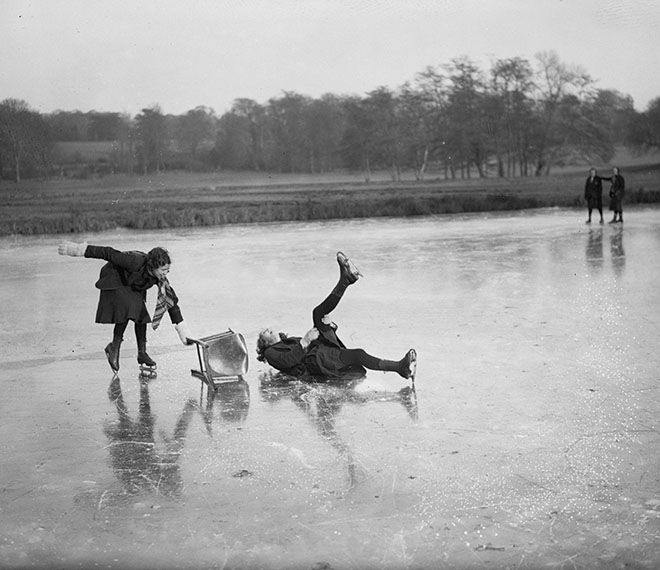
x=595, y=247
x=535, y=442
x=617, y=252
x=322, y=402
x=230, y=402
x=139, y=463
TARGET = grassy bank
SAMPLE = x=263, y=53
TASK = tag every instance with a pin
x=178, y=200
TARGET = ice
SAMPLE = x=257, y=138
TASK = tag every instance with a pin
x=531, y=439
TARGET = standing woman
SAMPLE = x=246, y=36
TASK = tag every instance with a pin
x=617, y=191
x=593, y=194
x=123, y=282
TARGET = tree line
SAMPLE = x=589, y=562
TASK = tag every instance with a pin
x=518, y=118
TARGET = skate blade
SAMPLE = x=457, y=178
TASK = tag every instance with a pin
x=148, y=372
x=413, y=366
x=352, y=268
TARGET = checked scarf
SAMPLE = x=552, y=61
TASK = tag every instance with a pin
x=165, y=301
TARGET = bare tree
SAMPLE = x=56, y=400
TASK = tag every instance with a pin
x=510, y=113
x=195, y=127
x=555, y=81
x=151, y=136
x=23, y=137
x=643, y=133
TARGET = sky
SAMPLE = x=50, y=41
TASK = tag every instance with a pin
x=124, y=55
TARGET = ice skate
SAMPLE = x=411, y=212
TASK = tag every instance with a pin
x=147, y=365
x=411, y=357
x=112, y=354
x=348, y=268
x=148, y=371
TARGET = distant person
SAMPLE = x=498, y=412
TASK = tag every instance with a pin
x=593, y=194
x=123, y=282
x=617, y=191
x=320, y=353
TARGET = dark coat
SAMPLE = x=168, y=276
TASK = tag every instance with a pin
x=123, y=282
x=287, y=356
x=322, y=357
x=593, y=192
x=617, y=191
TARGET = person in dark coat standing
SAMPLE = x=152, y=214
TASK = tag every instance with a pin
x=123, y=283
x=617, y=191
x=320, y=353
x=593, y=194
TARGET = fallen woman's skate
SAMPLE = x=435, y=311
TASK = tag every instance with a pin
x=412, y=357
x=348, y=266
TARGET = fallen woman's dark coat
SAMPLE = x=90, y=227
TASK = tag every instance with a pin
x=322, y=357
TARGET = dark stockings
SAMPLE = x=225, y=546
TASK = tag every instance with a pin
x=600, y=211
x=141, y=337
x=112, y=350
x=140, y=334
x=118, y=333
x=328, y=305
x=359, y=357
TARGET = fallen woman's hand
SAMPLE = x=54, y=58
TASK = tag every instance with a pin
x=310, y=335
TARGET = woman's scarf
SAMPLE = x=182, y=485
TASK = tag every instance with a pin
x=164, y=302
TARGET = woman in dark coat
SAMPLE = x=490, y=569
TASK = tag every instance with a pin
x=320, y=353
x=593, y=194
x=617, y=191
x=123, y=283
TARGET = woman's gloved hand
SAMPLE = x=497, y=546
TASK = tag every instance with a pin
x=183, y=332
x=71, y=248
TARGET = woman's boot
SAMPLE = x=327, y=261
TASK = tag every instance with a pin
x=348, y=273
x=144, y=358
x=405, y=367
x=112, y=353
x=147, y=364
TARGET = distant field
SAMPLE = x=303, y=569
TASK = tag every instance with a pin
x=188, y=200
x=84, y=151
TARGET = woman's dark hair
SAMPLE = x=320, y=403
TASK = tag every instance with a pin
x=156, y=258
x=262, y=345
x=261, y=348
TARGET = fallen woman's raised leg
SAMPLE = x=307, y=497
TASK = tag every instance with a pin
x=347, y=276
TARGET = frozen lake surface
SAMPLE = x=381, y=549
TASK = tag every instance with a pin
x=531, y=441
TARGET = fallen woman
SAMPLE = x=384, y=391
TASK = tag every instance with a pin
x=320, y=353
